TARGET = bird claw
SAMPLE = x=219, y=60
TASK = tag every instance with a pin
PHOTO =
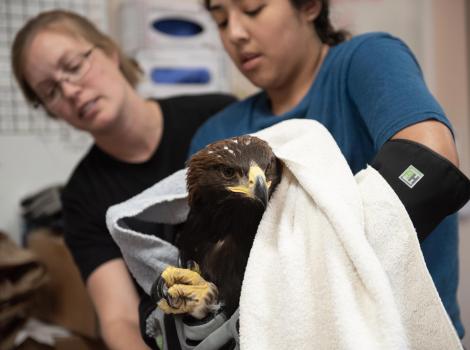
x=181, y=291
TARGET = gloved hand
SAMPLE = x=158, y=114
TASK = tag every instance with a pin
x=185, y=291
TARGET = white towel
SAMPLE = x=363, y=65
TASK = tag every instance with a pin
x=147, y=256
x=335, y=263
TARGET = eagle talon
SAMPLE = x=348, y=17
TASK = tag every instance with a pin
x=185, y=291
x=193, y=266
x=159, y=290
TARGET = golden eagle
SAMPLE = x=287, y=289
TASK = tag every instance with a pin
x=229, y=184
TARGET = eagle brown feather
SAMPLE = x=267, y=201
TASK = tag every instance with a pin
x=222, y=222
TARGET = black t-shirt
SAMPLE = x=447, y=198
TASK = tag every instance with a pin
x=100, y=181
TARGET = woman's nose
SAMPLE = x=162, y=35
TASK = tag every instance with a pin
x=69, y=90
x=237, y=30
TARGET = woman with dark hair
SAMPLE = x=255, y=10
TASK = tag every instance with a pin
x=366, y=91
x=65, y=65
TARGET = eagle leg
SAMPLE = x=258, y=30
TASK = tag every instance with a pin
x=185, y=292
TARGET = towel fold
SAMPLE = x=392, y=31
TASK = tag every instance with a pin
x=147, y=256
x=336, y=262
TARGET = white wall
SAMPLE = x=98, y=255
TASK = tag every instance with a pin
x=451, y=37
x=34, y=151
x=29, y=163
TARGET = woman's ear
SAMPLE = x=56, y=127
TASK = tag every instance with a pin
x=312, y=9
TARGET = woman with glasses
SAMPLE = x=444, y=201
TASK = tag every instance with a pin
x=366, y=91
x=79, y=75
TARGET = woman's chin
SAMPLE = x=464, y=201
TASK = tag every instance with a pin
x=99, y=124
x=260, y=82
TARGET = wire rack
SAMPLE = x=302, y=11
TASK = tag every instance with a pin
x=16, y=116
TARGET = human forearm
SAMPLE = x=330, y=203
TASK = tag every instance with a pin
x=123, y=335
x=116, y=302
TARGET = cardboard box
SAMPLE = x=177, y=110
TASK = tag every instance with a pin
x=63, y=300
x=67, y=343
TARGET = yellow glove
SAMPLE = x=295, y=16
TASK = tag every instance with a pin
x=187, y=292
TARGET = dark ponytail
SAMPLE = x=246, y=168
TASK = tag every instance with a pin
x=325, y=31
x=324, y=28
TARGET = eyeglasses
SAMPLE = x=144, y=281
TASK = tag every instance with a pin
x=73, y=72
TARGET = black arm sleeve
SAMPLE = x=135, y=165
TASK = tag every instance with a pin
x=429, y=186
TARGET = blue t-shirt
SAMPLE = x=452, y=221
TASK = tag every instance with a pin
x=367, y=89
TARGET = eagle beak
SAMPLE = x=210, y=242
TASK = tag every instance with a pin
x=256, y=187
x=261, y=190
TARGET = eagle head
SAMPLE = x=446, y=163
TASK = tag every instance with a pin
x=233, y=178
x=229, y=184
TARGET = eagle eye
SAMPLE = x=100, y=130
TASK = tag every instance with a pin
x=227, y=172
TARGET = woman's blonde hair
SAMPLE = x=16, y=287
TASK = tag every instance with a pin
x=71, y=24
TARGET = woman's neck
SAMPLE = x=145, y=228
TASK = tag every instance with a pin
x=137, y=132
x=284, y=98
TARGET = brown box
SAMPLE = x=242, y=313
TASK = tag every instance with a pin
x=66, y=343
x=63, y=300
x=79, y=343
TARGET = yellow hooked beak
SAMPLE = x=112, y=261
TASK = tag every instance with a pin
x=256, y=186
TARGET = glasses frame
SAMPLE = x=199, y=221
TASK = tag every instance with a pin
x=68, y=77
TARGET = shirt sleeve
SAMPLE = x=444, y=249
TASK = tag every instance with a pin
x=387, y=86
